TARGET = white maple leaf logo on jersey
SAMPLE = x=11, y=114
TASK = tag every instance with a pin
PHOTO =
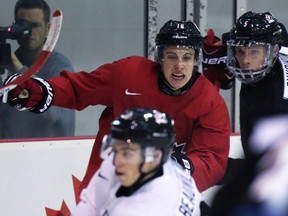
x=179, y=147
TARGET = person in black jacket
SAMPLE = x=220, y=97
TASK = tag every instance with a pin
x=257, y=50
x=257, y=56
x=253, y=57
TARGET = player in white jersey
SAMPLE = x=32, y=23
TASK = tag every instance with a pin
x=138, y=177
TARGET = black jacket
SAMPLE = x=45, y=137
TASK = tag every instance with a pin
x=261, y=99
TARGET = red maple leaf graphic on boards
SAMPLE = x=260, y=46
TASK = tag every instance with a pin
x=64, y=211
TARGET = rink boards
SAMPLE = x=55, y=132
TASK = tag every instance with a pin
x=38, y=173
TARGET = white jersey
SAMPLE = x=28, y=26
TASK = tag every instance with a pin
x=172, y=194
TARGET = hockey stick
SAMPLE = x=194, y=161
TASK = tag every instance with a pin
x=48, y=47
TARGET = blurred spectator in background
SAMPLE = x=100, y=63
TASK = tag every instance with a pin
x=260, y=188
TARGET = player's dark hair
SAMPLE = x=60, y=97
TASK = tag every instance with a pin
x=31, y=4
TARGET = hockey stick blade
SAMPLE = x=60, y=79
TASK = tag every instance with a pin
x=51, y=40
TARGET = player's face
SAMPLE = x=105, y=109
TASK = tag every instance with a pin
x=39, y=31
x=250, y=58
x=177, y=65
x=127, y=162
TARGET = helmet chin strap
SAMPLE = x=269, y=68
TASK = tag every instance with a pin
x=157, y=171
x=127, y=191
x=147, y=156
x=141, y=180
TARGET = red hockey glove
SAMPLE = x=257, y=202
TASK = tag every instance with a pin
x=214, y=61
x=35, y=94
x=184, y=161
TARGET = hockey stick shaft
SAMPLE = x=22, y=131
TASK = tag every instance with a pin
x=51, y=40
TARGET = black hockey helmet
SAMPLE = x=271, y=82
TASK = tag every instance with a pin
x=254, y=30
x=260, y=27
x=179, y=33
x=146, y=127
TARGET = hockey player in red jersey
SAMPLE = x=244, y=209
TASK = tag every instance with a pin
x=170, y=84
x=137, y=174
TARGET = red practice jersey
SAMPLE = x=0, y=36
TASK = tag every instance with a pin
x=201, y=116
